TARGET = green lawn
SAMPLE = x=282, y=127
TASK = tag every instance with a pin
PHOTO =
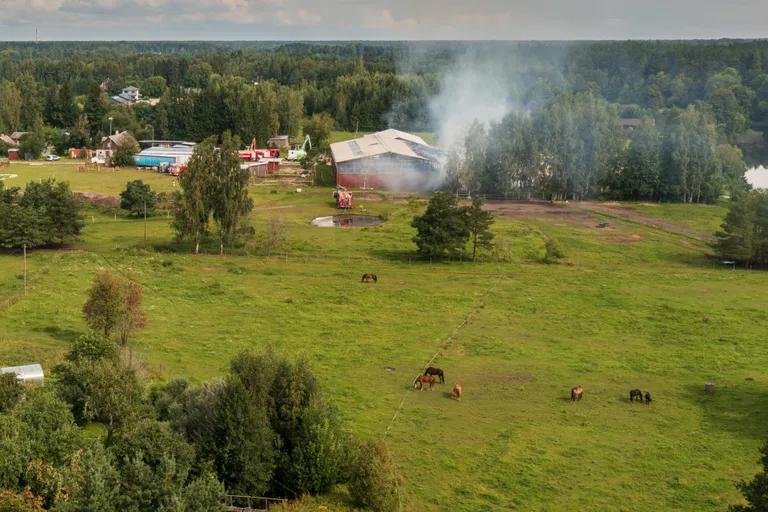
x=105, y=180
x=652, y=313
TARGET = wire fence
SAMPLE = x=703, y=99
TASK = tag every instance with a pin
x=444, y=345
x=11, y=300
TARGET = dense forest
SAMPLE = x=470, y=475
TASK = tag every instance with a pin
x=706, y=103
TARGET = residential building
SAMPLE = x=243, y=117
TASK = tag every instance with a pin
x=128, y=96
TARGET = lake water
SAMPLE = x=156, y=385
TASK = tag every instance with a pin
x=758, y=177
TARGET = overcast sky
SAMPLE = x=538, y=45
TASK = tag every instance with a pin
x=381, y=19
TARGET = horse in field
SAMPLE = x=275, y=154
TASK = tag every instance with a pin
x=635, y=394
x=422, y=379
x=437, y=372
x=457, y=391
x=367, y=278
x=576, y=392
x=647, y=398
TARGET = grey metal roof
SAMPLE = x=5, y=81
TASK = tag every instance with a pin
x=130, y=88
x=379, y=143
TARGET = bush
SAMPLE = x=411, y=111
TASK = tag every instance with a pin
x=756, y=490
x=11, y=391
x=554, y=251
x=123, y=157
x=137, y=196
x=372, y=481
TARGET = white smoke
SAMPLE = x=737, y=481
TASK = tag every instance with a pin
x=477, y=87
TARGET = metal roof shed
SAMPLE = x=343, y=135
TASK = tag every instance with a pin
x=29, y=374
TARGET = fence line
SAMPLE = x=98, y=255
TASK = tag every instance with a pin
x=442, y=347
x=13, y=299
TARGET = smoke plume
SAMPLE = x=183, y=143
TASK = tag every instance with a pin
x=477, y=87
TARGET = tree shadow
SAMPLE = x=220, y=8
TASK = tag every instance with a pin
x=57, y=333
x=740, y=409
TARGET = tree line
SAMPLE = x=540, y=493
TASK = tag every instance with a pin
x=372, y=85
x=575, y=149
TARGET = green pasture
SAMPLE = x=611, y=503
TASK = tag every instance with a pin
x=104, y=180
x=704, y=218
x=633, y=306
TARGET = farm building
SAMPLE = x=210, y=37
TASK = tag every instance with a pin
x=390, y=159
x=155, y=156
x=279, y=141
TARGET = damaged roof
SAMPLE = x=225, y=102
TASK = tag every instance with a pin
x=379, y=143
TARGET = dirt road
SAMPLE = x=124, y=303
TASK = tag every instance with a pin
x=642, y=219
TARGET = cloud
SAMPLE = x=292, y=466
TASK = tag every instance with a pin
x=380, y=19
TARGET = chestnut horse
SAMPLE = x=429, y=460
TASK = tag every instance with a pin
x=457, y=391
x=421, y=379
x=576, y=392
x=437, y=372
x=368, y=277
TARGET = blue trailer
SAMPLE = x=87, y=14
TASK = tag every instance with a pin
x=153, y=161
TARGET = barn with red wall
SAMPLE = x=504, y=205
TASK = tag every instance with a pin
x=390, y=159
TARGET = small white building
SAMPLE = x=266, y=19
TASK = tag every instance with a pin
x=28, y=374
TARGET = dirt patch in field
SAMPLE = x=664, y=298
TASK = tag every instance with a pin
x=100, y=199
x=622, y=239
x=702, y=290
x=518, y=378
x=530, y=209
x=213, y=269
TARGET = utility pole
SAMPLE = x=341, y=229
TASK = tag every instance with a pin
x=145, y=220
x=25, y=270
x=110, y=125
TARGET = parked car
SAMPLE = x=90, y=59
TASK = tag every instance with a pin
x=52, y=158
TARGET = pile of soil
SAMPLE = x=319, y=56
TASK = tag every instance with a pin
x=100, y=199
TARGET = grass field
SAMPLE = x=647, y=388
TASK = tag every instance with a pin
x=634, y=306
x=704, y=218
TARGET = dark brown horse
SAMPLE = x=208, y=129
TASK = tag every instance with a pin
x=422, y=379
x=368, y=277
x=635, y=394
x=576, y=392
x=647, y=398
x=437, y=372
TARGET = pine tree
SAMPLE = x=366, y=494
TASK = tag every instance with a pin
x=443, y=228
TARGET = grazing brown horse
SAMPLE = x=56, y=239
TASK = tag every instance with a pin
x=437, y=372
x=635, y=394
x=368, y=277
x=647, y=398
x=576, y=392
x=457, y=391
x=421, y=379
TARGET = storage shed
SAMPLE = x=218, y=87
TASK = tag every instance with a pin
x=152, y=157
x=29, y=374
x=390, y=160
